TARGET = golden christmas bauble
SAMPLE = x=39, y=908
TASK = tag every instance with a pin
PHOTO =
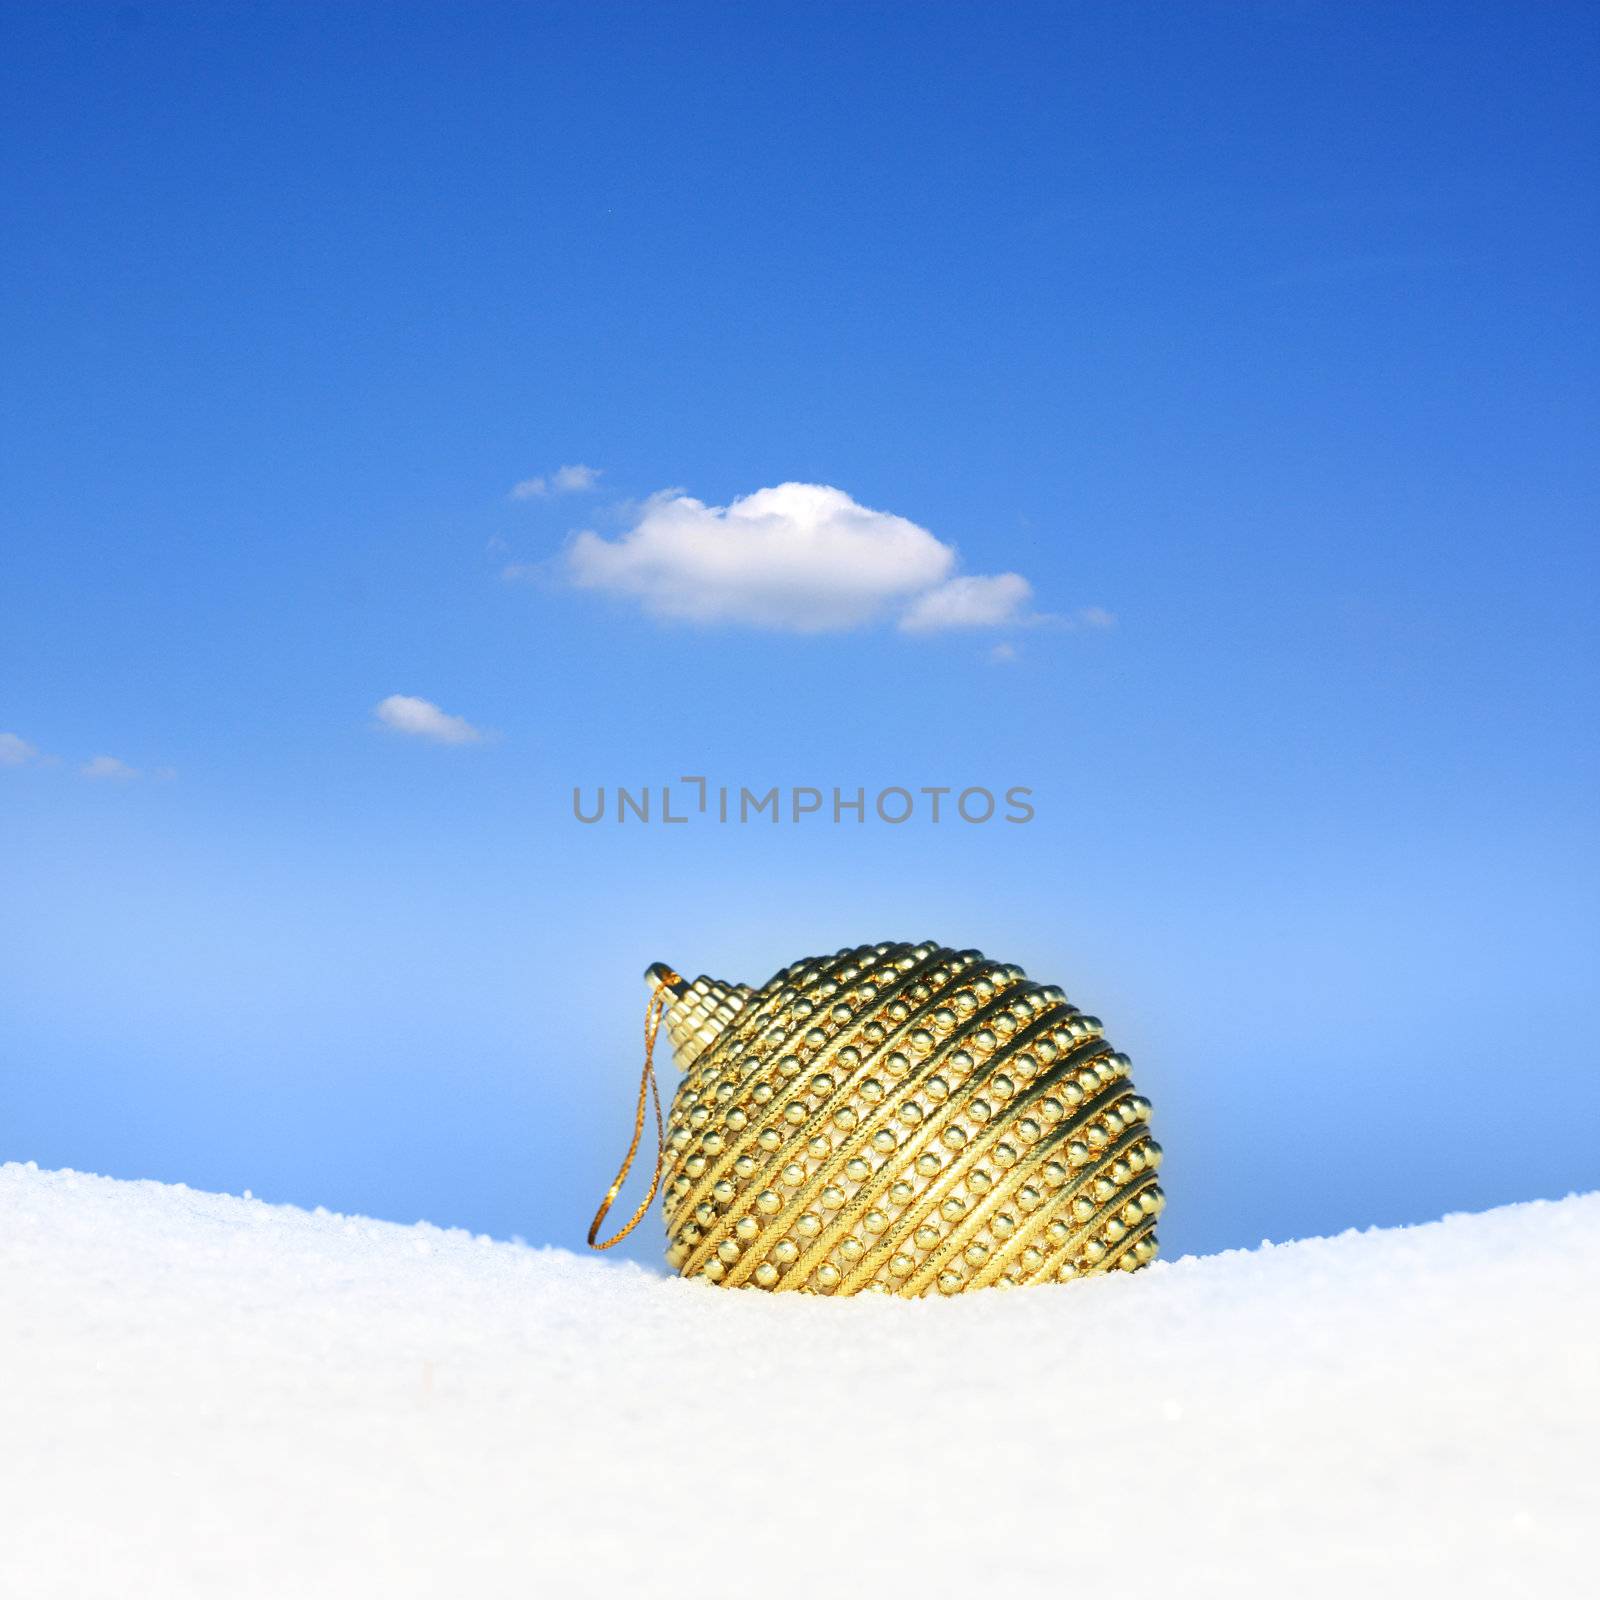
x=898, y=1118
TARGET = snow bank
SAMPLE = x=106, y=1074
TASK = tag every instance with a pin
x=202, y=1395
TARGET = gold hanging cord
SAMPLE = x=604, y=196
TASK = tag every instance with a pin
x=661, y=996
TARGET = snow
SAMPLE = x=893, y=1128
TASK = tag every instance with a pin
x=204, y=1395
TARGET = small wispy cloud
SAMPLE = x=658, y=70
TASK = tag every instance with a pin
x=1093, y=617
x=422, y=719
x=108, y=769
x=801, y=557
x=15, y=751
x=1004, y=653
x=564, y=480
x=969, y=603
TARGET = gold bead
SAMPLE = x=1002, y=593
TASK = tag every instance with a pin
x=768, y=1201
x=785, y=1251
x=822, y=1084
x=808, y=1223
x=857, y=1170
x=900, y=1193
x=766, y=1274
x=851, y=1248
x=769, y=1139
x=1003, y=1225
x=713, y=1271
x=927, y=1236
x=793, y=1175
x=795, y=1111
x=723, y=1191
x=832, y=1197
x=976, y=1254
x=745, y=1229
x=928, y=1163
x=953, y=1209
x=745, y=1166
x=950, y=1281
x=884, y=1141
x=954, y=1137
x=875, y=1221
x=828, y=1275
x=728, y=1250
x=901, y=1265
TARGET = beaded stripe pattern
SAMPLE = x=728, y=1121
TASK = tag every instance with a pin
x=901, y=1119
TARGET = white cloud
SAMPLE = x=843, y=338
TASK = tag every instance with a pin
x=108, y=768
x=969, y=603
x=1094, y=617
x=564, y=480
x=405, y=713
x=15, y=751
x=1004, y=652
x=801, y=556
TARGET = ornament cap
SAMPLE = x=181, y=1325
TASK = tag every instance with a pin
x=660, y=976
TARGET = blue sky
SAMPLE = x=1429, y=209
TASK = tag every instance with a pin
x=1258, y=341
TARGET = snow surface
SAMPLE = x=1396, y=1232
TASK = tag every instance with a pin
x=202, y=1395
